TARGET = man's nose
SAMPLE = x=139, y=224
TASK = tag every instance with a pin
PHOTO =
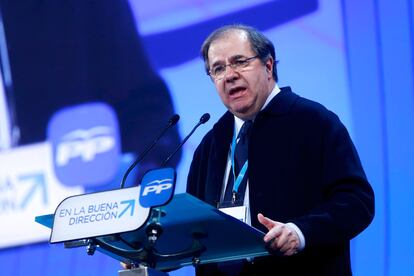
x=230, y=74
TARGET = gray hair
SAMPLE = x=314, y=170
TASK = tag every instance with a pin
x=260, y=44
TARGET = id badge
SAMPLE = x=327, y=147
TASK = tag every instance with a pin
x=238, y=212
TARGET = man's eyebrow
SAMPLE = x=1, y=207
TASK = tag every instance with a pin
x=218, y=62
x=232, y=58
x=237, y=57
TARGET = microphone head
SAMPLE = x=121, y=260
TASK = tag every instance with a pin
x=174, y=119
x=204, y=118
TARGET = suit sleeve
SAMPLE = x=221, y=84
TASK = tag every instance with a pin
x=193, y=175
x=197, y=175
x=348, y=206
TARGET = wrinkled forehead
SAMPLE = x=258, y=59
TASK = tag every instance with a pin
x=231, y=44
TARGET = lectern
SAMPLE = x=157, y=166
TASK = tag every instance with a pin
x=153, y=232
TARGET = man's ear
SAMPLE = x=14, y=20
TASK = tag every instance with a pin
x=269, y=64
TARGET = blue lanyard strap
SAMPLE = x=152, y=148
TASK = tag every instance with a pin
x=240, y=176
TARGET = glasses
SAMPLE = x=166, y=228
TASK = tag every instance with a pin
x=218, y=72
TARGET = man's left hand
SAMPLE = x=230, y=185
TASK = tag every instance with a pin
x=281, y=237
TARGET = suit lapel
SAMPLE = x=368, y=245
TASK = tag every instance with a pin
x=222, y=134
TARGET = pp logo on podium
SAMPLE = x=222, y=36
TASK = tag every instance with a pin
x=157, y=187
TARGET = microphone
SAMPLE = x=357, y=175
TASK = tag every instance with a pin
x=173, y=120
x=203, y=120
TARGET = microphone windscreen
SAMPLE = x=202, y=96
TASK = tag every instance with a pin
x=174, y=119
x=204, y=118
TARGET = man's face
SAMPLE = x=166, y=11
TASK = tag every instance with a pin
x=242, y=91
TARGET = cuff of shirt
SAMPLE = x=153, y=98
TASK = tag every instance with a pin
x=300, y=235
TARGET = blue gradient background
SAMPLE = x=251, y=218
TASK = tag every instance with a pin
x=355, y=57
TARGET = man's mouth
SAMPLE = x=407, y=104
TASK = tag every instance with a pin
x=236, y=90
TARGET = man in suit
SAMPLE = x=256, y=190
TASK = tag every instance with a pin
x=301, y=182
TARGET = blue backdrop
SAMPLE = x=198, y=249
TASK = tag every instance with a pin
x=355, y=57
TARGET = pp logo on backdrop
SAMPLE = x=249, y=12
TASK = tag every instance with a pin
x=85, y=144
x=157, y=187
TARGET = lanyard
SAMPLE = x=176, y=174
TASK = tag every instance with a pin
x=240, y=176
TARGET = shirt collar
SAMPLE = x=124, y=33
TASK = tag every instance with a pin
x=239, y=122
x=272, y=94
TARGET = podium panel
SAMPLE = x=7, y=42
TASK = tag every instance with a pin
x=184, y=232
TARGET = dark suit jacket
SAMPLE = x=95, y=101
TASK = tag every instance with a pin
x=303, y=168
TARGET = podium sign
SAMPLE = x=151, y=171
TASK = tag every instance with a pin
x=148, y=226
x=98, y=214
x=112, y=212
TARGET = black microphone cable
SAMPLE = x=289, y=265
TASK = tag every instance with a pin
x=203, y=120
x=173, y=120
